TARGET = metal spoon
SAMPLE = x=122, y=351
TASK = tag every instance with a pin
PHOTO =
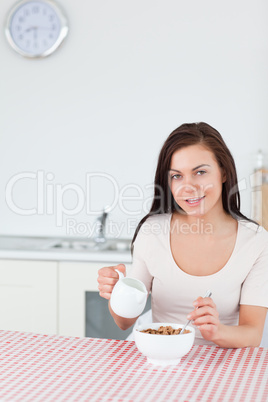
x=208, y=294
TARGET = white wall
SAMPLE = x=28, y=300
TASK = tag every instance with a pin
x=126, y=76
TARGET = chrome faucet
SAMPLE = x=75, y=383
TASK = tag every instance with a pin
x=100, y=227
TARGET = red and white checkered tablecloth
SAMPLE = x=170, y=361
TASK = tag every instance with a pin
x=36, y=367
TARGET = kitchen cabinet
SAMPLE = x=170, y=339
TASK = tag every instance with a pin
x=46, y=297
x=28, y=296
x=75, y=279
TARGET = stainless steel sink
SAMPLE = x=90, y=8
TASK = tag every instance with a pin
x=64, y=244
x=122, y=245
x=26, y=243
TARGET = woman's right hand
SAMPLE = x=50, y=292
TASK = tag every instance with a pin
x=107, y=278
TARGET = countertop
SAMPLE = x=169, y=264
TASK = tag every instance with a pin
x=36, y=367
x=43, y=248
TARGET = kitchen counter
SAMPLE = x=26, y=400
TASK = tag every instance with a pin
x=36, y=367
x=44, y=248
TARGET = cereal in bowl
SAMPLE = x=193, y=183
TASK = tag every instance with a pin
x=168, y=330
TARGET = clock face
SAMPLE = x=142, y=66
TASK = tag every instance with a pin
x=36, y=28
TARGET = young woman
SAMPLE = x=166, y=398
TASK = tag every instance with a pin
x=195, y=238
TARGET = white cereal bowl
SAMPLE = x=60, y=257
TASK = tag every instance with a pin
x=163, y=350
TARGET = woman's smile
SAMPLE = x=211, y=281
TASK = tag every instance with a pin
x=193, y=202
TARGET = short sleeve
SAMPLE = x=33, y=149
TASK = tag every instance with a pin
x=255, y=287
x=139, y=267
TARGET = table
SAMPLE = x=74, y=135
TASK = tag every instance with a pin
x=36, y=367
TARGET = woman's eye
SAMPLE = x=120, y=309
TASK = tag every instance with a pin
x=176, y=176
x=200, y=172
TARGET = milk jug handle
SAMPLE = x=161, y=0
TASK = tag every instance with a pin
x=121, y=275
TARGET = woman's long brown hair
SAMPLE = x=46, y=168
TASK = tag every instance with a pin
x=184, y=136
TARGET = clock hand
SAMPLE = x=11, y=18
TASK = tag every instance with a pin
x=46, y=28
x=29, y=29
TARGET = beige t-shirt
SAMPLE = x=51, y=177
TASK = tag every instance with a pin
x=243, y=279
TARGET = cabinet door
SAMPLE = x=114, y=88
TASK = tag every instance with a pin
x=75, y=279
x=28, y=296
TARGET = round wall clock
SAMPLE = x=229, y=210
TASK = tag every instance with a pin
x=36, y=28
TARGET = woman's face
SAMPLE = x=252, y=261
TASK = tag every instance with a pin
x=196, y=180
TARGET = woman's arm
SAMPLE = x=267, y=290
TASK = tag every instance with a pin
x=121, y=322
x=249, y=330
x=247, y=333
x=107, y=279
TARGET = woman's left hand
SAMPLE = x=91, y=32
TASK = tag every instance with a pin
x=206, y=318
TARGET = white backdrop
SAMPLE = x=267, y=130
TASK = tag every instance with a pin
x=126, y=76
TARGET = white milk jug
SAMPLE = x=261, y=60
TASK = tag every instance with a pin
x=128, y=297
